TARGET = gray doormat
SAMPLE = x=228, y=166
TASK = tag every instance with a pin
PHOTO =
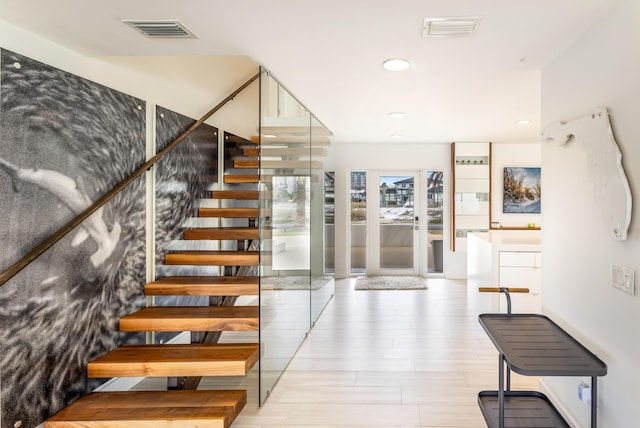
x=391, y=283
x=294, y=282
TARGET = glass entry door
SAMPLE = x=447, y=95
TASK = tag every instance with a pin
x=393, y=215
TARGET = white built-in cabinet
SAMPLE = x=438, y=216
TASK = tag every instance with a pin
x=505, y=258
x=521, y=269
x=471, y=191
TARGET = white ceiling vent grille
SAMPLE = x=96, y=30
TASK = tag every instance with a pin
x=450, y=26
x=162, y=29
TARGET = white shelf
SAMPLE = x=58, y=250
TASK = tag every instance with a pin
x=472, y=191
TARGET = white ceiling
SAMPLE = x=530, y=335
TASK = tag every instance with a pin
x=329, y=54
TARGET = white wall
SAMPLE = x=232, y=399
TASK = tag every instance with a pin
x=513, y=155
x=370, y=156
x=601, y=68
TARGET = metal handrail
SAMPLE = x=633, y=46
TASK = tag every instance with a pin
x=64, y=230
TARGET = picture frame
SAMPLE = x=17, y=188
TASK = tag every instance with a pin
x=522, y=192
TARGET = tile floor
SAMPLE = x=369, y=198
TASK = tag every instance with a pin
x=387, y=359
x=392, y=359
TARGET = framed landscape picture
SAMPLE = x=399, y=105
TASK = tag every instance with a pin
x=521, y=190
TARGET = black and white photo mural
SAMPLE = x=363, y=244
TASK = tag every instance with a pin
x=183, y=180
x=64, y=142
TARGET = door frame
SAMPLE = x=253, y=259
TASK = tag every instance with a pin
x=373, y=225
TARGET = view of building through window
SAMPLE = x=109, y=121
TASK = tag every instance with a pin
x=358, y=192
x=435, y=193
x=397, y=211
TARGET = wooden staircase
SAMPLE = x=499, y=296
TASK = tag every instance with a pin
x=205, y=357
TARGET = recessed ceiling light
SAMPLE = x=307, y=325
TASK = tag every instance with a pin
x=396, y=64
x=269, y=136
x=397, y=114
x=396, y=136
x=523, y=122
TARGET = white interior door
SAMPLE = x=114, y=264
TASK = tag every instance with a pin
x=393, y=222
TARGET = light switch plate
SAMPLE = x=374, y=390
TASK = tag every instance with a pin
x=622, y=278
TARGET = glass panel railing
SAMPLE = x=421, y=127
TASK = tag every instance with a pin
x=322, y=239
x=285, y=229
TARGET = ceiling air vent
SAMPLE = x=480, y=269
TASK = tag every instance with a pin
x=450, y=26
x=162, y=29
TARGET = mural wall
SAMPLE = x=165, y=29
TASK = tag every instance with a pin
x=183, y=179
x=64, y=142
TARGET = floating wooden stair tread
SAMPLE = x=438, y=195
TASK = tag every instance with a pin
x=315, y=140
x=236, y=194
x=229, y=212
x=192, y=318
x=203, y=286
x=213, y=258
x=241, y=178
x=218, y=359
x=291, y=164
x=221, y=233
x=152, y=409
x=278, y=164
x=251, y=151
x=247, y=164
x=285, y=151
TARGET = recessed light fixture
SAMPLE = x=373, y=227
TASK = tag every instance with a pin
x=397, y=114
x=523, y=122
x=396, y=64
x=269, y=136
x=396, y=136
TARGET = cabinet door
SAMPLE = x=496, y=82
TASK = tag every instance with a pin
x=523, y=304
x=527, y=277
x=521, y=269
x=518, y=258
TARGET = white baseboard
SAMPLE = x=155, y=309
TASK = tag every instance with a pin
x=341, y=274
x=544, y=388
x=452, y=274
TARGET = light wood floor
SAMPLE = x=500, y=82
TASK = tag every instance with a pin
x=398, y=359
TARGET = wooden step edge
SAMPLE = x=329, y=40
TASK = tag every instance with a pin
x=300, y=140
x=213, y=258
x=236, y=194
x=203, y=286
x=291, y=164
x=229, y=212
x=246, y=164
x=126, y=409
x=241, y=178
x=226, y=359
x=221, y=233
x=289, y=152
x=192, y=318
